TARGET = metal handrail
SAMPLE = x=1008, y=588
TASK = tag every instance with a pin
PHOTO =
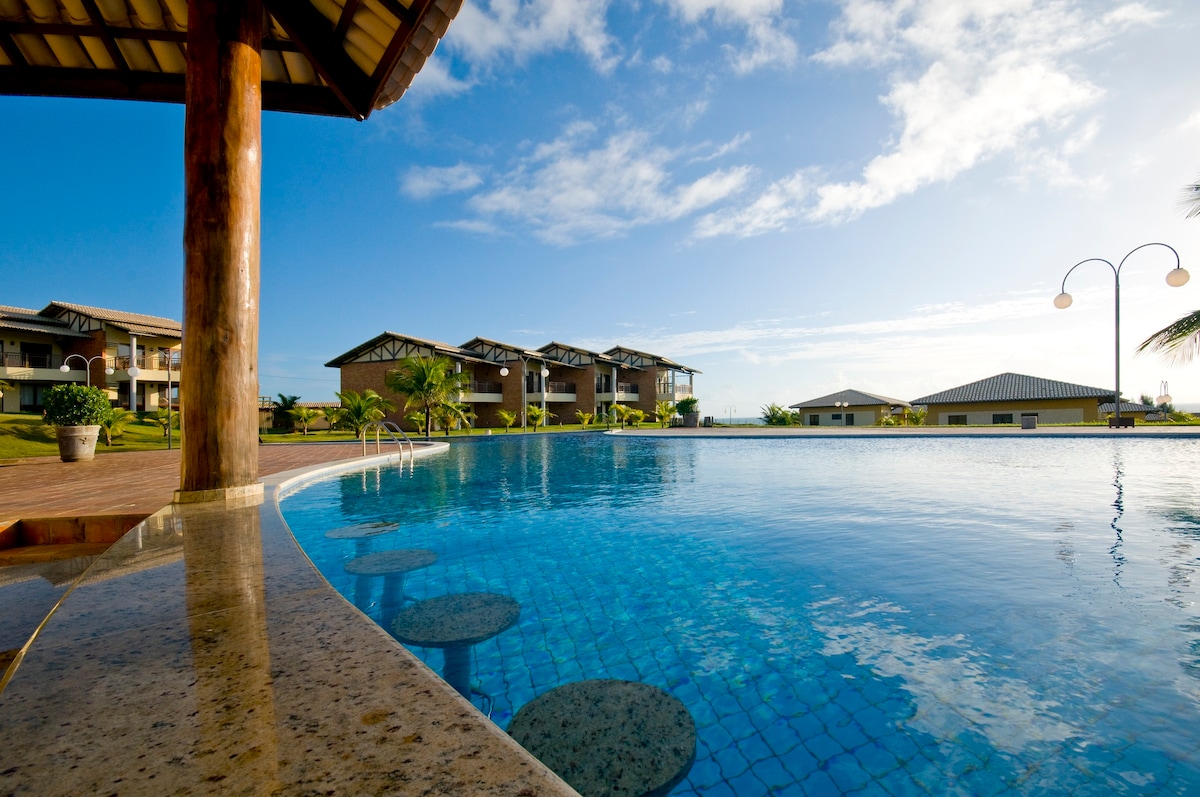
x=390, y=427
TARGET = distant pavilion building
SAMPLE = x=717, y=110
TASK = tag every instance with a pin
x=848, y=408
x=1006, y=398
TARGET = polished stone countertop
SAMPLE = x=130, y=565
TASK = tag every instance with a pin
x=204, y=654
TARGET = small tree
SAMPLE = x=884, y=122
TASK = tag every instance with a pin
x=304, y=416
x=451, y=414
x=333, y=416
x=777, y=415
x=688, y=405
x=506, y=417
x=635, y=417
x=114, y=425
x=620, y=412
x=664, y=410
x=584, y=418
x=75, y=405
x=538, y=416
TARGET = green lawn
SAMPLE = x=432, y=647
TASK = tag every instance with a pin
x=25, y=435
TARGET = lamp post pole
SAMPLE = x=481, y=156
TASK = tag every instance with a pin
x=730, y=409
x=87, y=365
x=1175, y=278
x=843, y=405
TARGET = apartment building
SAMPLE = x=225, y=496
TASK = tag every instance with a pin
x=561, y=378
x=133, y=357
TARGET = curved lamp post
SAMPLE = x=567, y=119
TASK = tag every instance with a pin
x=1176, y=277
x=87, y=366
x=730, y=409
x=843, y=406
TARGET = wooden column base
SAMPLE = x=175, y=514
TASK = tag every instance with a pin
x=227, y=495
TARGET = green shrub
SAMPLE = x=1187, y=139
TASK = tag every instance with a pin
x=686, y=406
x=75, y=405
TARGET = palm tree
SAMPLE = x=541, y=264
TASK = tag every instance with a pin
x=452, y=413
x=282, y=407
x=621, y=412
x=538, y=416
x=636, y=417
x=304, y=416
x=333, y=416
x=506, y=417
x=360, y=409
x=1180, y=340
x=426, y=383
x=664, y=410
x=1191, y=200
x=778, y=415
x=584, y=418
x=114, y=424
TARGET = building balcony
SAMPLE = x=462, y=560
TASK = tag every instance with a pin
x=484, y=393
x=627, y=391
x=560, y=391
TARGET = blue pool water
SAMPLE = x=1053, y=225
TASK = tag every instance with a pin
x=882, y=616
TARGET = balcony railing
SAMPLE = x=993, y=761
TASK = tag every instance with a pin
x=16, y=359
x=155, y=361
x=560, y=387
x=485, y=387
x=627, y=387
x=680, y=390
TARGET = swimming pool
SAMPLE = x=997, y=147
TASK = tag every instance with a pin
x=876, y=616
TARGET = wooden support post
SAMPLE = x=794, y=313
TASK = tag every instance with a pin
x=222, y=178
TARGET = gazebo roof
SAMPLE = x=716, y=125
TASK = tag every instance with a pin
x=331, y=57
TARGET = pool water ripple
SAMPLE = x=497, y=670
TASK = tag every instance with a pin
x=952, y=616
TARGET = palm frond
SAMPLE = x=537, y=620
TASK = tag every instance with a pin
x=1180, y=340
x=1190, y=200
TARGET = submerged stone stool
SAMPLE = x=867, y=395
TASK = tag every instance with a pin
x=455, y=623
x=608, y=737
x=392, y=565
x=361, y=534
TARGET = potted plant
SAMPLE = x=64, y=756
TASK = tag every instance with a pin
x=689, y=409
x=76, y=411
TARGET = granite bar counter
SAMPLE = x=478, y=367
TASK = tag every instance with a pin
x=204, y=654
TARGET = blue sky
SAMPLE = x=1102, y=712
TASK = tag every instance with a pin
x=792, y=197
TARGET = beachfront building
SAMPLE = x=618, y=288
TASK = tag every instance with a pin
x=1007, y=398
x=97, y=346
x=560, y=378
x=848, y=408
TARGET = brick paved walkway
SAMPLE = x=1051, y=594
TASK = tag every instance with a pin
x=135, y=482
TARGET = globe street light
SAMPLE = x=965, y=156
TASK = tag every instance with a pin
x=843, y=406
x=1175, y=278
x=87, y=367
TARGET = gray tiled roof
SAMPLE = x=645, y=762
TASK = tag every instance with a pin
x=1012, y=387
x=1129, y=406
x=134, y=323
x=855, y=398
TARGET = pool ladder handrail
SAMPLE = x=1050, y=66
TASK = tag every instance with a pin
x=391, y=428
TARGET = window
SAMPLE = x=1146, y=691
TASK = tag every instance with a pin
x=837, y=416
x=956, y=420
x=1002, y=417
x=814, y=420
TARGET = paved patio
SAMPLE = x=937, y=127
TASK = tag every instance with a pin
x=136, y=482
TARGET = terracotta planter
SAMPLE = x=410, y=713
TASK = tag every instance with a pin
x=77, y=443
x=691, y=420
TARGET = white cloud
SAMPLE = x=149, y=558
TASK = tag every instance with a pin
x=435, y=80
x=969, y=80
x=772, y=211
x=568, y=191
x=994, y=76
x=768, y=44
x=423, y=182
x=491, y=32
